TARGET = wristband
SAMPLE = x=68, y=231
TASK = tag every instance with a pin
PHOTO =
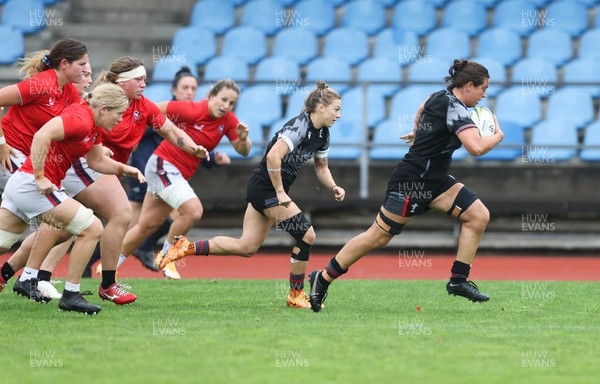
x=2, y=140
x=273, y=169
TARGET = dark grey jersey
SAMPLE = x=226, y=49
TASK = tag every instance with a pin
x=304, y=142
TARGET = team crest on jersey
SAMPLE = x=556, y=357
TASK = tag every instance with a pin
x=51, y=102
x=85, y=140
x=136, y=115
x=221, y=128
x=198, y=127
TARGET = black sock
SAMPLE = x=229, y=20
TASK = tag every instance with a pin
x=334, y=270
x=321, y=280
x=44, y=275
x=151, y=241
x=7, y=271
x=108, y=278
x=460, y=272
x=201, y=248
x=297, y=281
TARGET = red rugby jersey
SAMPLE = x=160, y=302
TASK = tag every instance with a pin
x=194, y=118
x=41, y=100
x=80, y=136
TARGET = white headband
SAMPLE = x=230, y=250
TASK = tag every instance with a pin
x=134, y=73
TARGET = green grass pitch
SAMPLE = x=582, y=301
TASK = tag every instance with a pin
x=240, y=331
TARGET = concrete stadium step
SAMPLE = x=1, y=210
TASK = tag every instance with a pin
x=136, y=11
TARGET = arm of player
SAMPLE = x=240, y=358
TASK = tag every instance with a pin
x=181, y=139
x=53, y=130
x=477, y=145
x=243, y=144
x=8, y=96
x=274, y=159
x=324, y=175
x=101, y=163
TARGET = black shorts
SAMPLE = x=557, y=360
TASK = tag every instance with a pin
x=138, y=159
x=410, y=195
x=260, y=193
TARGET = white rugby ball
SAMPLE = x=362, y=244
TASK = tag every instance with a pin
x=484, y=120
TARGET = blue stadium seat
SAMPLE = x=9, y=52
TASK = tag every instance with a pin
x=13, y=44
x=591, y=138
x=247, y=43
x=348, y=44
x=540, y=3
x=501, y=44
x=520, y=16
x=353, y=105
x=166, y=68
x=264, y=15
x=197, y=44
x=405, y=104
x=391, y=3
x=338, y=3
x=570, y=16
x=343, y=133
x=437, y=3
x=511, y=147
x=433, y=71
x=497, y=74
x=365, y=15
x=215, y=15
x=236, y=3
x=387, y=132
x=330, y=69
x=298, y=44
x=295, y=104
x=381, y=69
x=489, y=3
x=465, y=15
x=398, y=45
x=284, y=73
x=261, y=102
x=318, y=15
x=27, y=15
x=550, y=133
x=460, y=154
x=275, y=127
x=255, y=133
x=589, y=43
x=515, y=104
x=535, y=75
x=415, y=16
x=553, y=45
x=584, y=70
x=285, y=3
x=158, y=92
x=448, y=44
x=226, y=67
x=202, y=91
x=572, y=105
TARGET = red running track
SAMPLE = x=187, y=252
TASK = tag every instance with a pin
x=373, y=266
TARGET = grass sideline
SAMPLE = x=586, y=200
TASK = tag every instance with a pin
x=230, y=331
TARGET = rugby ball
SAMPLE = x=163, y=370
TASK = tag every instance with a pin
x=484, y=120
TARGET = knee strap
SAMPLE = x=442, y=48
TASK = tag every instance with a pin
x=392, y=228
x=297, y=226
x=463, y=200
x=83, y=219
x=303, y=251
x=8, y=239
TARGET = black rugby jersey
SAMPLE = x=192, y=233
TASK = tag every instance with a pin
x=443, y=117
x=304, y=141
